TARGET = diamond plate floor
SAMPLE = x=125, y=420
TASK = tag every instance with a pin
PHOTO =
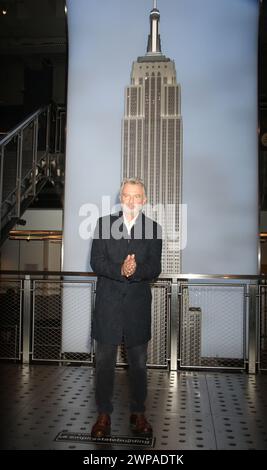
x=188, y=410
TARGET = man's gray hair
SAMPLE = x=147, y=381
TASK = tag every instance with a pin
x=132, y=181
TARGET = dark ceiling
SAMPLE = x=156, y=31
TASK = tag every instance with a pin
x=36, y=27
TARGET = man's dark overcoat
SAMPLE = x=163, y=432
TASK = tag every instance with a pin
x=123, y=306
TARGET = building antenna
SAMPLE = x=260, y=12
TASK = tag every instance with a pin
x=155, y=4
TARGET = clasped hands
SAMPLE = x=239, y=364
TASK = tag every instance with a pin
x=129, y=266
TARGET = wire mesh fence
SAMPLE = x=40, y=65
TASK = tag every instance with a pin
x=10, y=319
x=206, y=324
x=263, y=328
x=62, y=320
x=212, y=326
x=158, y=353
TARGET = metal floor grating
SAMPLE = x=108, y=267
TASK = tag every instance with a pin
x=188, y=410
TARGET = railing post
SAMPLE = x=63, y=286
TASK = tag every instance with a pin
x=252, y=328
x=174, y=324
x=26, y=320
x=34, y=156
x=19, y=170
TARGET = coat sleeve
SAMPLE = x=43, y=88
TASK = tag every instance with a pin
x=100, y=262
x=151, y=268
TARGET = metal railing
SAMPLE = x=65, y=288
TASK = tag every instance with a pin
x=30, y=154
x=200, y=322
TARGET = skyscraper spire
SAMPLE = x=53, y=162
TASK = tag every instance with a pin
x=153, y=44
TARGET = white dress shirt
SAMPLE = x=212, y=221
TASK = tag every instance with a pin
x=129, y=224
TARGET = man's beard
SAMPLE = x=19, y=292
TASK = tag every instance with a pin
x=132, y=212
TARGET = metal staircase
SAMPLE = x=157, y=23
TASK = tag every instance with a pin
x=30, y=155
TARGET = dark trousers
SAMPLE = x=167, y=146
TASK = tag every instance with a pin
x=106, y=355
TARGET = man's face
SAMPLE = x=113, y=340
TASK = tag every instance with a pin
x=132, y=199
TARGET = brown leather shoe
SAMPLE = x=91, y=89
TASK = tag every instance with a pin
x=140, y=425
x=101, y=428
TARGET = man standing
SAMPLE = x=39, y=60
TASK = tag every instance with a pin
x=126, y=256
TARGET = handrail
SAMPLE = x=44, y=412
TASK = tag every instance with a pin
x=252, y=277
x=22, y=125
